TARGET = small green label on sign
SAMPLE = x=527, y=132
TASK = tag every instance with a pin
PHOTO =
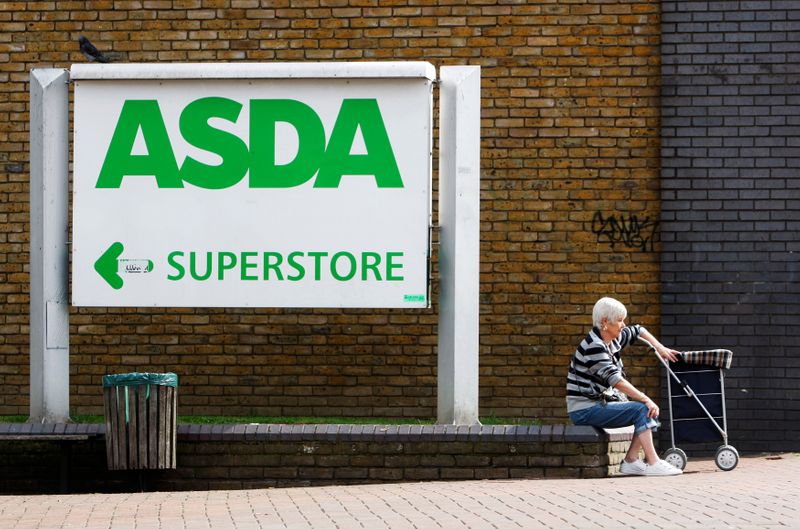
x=413, y=297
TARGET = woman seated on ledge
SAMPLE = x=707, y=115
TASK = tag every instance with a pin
x=597, y=387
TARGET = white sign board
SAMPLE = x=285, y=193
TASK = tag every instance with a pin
x=256, y=185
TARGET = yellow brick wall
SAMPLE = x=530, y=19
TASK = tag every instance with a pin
x=569, y=134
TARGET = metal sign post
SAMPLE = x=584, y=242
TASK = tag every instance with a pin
x=49, y=159
x=459, y=251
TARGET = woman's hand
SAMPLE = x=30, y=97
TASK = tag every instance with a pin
x=634, y=394
x=668, y=354
x=652, y=408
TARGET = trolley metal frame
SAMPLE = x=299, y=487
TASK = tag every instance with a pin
x=727, y=457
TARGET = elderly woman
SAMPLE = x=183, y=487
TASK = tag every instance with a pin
x=597, y=387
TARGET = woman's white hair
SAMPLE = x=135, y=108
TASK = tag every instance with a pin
x=608, y=309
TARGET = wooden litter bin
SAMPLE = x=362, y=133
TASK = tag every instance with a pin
x=140, y=414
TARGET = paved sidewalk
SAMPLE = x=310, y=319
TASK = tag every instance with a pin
x=760, y=492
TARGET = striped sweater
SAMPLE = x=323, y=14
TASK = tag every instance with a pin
x=596, y=367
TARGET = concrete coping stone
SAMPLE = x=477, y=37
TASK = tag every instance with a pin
x=54, y=429
x=619, y=434
x=349, y=432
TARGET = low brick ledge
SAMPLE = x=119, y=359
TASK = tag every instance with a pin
x=287, y=455
x=342, y=432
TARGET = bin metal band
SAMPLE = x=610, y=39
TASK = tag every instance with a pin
x=140, y=379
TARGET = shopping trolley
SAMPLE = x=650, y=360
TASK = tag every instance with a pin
x=696, y=395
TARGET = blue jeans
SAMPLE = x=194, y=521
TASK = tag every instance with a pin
x=616, y=415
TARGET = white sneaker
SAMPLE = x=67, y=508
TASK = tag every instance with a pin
x=637, y=468
x=662, y=468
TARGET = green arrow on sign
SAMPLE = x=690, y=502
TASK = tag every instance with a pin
x=107, y=266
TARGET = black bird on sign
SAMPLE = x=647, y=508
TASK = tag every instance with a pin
x=90, y=52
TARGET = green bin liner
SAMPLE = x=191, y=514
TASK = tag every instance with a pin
x=140, y=379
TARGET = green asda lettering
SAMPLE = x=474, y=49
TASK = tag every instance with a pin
x=328, y=161
x=274, y=266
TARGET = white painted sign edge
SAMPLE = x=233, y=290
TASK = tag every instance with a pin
x=278, y=70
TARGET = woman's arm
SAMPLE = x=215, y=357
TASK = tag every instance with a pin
x=665, y=352
x=634, y=394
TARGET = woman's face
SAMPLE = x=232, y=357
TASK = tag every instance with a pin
x=613, y=327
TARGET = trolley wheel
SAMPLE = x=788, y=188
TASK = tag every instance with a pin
x=676, y=457
x=727, y=457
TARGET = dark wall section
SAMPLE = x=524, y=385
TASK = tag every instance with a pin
x=731, y=203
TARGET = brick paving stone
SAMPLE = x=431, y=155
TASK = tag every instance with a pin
x=760, y=493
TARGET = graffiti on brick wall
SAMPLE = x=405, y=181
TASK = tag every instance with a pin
x=629, y=231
